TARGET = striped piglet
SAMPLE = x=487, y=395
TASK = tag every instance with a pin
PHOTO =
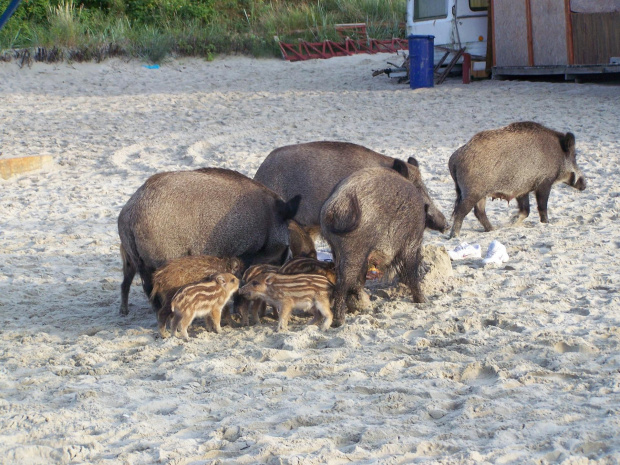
x=205, y=299
x=290, y=292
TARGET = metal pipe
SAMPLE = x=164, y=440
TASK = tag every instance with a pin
x=8, y=12
x=410, y=17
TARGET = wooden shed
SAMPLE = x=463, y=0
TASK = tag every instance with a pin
x=543, y=37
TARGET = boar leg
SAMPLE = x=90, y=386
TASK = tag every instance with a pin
x=350, y=279
x=322, y=308
x=542, y=197
x=412, y=275
x=163, y=317
x=129, y=271
x=481, y=214
x=227, y=314
x=524, y=208
x=147, y=286
x=259, y=310
x=216, y=318
x=284, y=312
x=244, y=311
x=460, y=212
x=178, y=324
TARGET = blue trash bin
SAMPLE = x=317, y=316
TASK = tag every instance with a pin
x=421, y=61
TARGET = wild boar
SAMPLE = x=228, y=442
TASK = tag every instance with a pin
x=210, y=211
x=190, y=269
x=509, y=163
x=205, y=299
x=176, y=273
x=301, y=243
x=255, y=307
x=313, y=170
x=374, y=212
x=310, y=266
x=289, y=292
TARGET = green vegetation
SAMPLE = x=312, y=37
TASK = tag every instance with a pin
x=154, y=30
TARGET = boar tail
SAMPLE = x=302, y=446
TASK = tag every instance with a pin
x=344, y=220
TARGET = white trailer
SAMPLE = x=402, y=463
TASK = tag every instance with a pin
x=456, y=24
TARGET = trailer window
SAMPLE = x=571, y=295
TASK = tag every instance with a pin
x=478, y=5
x=429, y=9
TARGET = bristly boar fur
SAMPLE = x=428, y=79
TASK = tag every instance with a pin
x=289, y=292
x=374, y=212
x=210, y=211
x=509, y=163
x=313, y=170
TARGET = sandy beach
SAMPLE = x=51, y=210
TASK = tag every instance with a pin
x=510, y=364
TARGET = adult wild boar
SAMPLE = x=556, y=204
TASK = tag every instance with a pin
x=313, y=170
x=208, y=211
x=509, y=163
x=375, y=211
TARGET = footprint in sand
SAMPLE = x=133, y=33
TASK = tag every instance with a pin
x=127, y=157
x=479, y=375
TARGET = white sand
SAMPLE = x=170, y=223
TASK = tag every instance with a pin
x=516, y=364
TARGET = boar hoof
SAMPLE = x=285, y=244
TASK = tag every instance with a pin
x=337, y=322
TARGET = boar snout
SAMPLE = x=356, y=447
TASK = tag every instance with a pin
x=578, y=183
x=435, y=219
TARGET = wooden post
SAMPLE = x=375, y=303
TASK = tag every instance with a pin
x=530, y=39
x=466, y=68
x=492, y=19
x=569, y=33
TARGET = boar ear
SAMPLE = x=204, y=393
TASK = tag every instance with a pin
x=287, y=210
x=413, y=161
x=220, y=279
x=400, y=167
x=268, y=278
x=568, y=142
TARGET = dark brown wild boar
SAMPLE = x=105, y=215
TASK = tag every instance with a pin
x=509, y=163
x=210, y=211
x=374, y=212
x=313, y=170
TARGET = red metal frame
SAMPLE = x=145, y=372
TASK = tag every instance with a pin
x=328, y=49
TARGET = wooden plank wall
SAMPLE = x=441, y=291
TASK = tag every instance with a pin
x=596, y=37
x=549, y=32
x=510, y=33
